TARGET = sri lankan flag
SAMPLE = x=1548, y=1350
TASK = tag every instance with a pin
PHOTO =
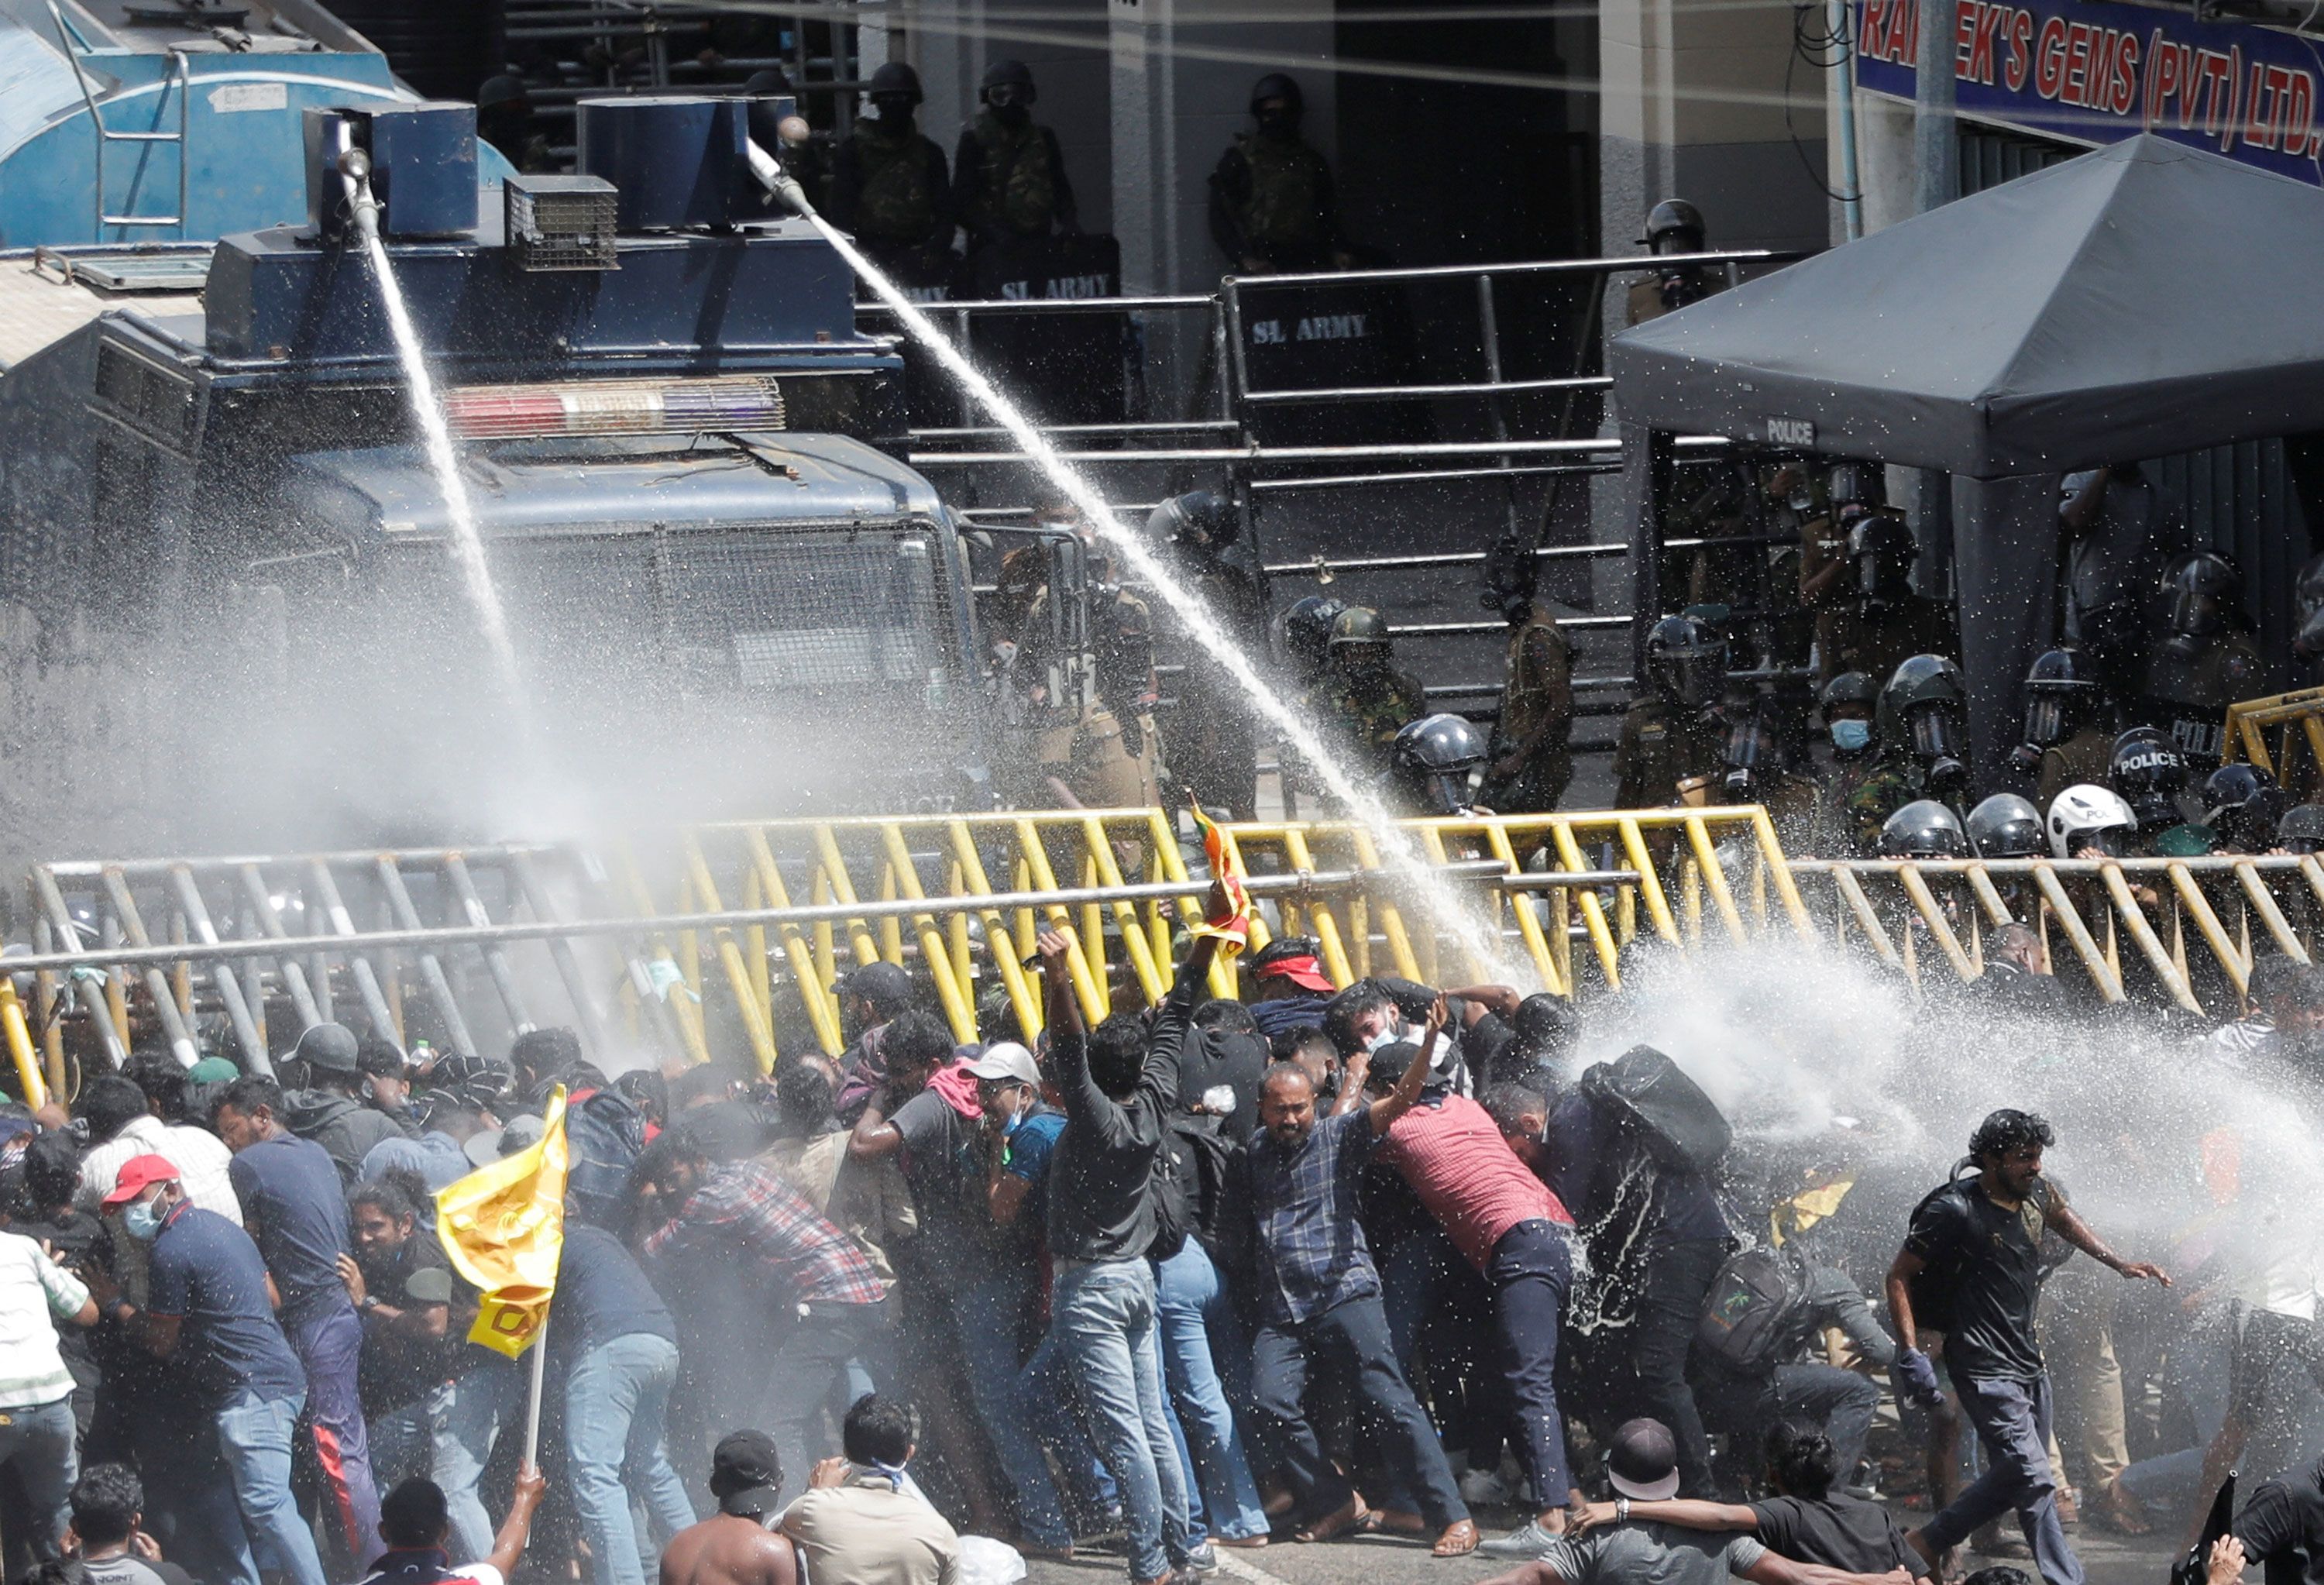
x=504, y=1228
x=1232, y=930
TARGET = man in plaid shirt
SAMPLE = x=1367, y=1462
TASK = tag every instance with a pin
x=739, y=1218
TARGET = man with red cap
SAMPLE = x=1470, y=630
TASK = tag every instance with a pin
x=1289, y=987
x=210, y=1316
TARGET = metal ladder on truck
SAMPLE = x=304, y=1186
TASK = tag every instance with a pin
x=180, y=79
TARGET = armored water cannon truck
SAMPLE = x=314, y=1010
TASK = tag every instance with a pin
x=234, y=605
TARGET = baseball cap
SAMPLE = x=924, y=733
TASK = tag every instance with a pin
x=883, y=985
x=742, y=1460
x=1005, y=1059
x=213, y=1070
x=1642, y=1461
x=1294, y=958
x=139, y=1174
x=331, y=1047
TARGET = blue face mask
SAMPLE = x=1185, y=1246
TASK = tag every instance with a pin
x=142, y=1219
x=1851, y=737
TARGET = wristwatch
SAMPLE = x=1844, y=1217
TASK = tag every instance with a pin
x=370, y=1302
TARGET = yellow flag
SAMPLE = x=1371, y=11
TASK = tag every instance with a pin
x=504, y=1228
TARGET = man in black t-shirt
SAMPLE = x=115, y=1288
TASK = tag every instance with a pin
x=1974, y=1250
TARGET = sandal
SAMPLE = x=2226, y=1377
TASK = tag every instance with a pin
x=1348, y=1516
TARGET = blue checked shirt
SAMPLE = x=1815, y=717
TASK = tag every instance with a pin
x=1312, y=1253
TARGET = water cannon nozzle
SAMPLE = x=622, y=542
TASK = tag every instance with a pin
x=355, y=164
x=781, y=183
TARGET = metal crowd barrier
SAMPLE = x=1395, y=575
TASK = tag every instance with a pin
x=726, y=938
x=2251, y=721
x=2193, y=925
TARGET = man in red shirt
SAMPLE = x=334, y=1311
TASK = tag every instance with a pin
x=1505, y=1222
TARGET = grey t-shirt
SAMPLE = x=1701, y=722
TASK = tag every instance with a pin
x=1645, y=1554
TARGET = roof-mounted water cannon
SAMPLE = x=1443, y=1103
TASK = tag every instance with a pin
x=417, y=175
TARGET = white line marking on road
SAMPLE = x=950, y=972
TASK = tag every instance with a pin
x=1232, y=1563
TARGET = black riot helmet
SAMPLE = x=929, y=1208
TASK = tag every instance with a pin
x=1924, y=708
x=1276, y=103
x=1434, y=758
x=1511, y=571
x=2148, y=771
x=1923, y=829
x=2243, y=804
x=1008, y=86
x=2205, y=595
x=2061, y=693
x=1687, y=661
x=1882, y=549
x=2301, y=829
x=1307, y=629
x=895, y=91
x=1850, y=688
x=1360, y=643
x=1201, y=520
x=1675, y=227
x=2006, y=826
x=765, y=117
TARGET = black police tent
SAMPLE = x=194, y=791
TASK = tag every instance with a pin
x=2108, y=309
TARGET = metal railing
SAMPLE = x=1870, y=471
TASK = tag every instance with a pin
x=727, y=939
x=180, y=79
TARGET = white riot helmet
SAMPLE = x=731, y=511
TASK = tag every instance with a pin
x=2079, y=811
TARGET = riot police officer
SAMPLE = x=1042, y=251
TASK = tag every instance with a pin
x=1363, y=701
x=2243, y=805
x=1532, y=754
x=1923, y=712
x=888, y=187
x=1869, y=619
x=2120, y=531
x=2004, y=826
x=1672, y=733
x=2208, y=661
x=1673, y=226
x=1009, y=176
x=1848, y=701
x=1757, y=769
x=2148, y=771
x=2308, y=609
x=1105, y=748
x=1272, y=204
x=1208, y=735
x=504, y=119
x=1923, y=829
x=2069, y=733
x=1305, y=638
x=1430, y=764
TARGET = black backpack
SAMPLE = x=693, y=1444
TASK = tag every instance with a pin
x=1748, y=1314
x=1931, y=1289
x=1676, y=1123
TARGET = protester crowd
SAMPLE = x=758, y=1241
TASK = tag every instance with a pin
x=1224, y=1272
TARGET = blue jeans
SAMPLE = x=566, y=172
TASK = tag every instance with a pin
x=991, y=1316
x=39, y=1441
x=1102, y=1315
x=253, y=1436
x=2013, y=1427
x=328, y=1345
x=1191, y=1303
x=490, y=1395
x=616, y=1400
x=404, y=1439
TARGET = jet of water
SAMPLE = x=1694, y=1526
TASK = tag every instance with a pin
x=1478, y=935
x=467, y=543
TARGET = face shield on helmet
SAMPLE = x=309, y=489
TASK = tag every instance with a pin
x=2301, y=829
x=1437, y=758
x=1884, y=552
x=2089, y=817
x=1687, y=661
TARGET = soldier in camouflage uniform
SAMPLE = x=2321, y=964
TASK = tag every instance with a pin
x=1008, y=176
x=2069, y=723
x=1672, y=732
x=1362, y=701
x=889, y=186
x=1532, y=758
x=1272, y=204
x=2207, y=662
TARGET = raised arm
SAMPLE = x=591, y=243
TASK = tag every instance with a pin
x=2068, y=1224
x=1400, y=1099
x=1687, y=1512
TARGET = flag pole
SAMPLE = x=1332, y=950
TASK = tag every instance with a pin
x=533, y=1409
